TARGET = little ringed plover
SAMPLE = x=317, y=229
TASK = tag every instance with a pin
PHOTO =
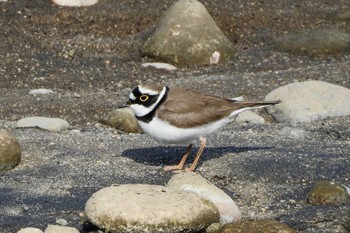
x=179, y=116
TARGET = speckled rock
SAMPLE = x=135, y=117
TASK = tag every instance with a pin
x=47, y=123
x=122, y=119
x=10, y=151
x=60, y=229
x=270, y=226
x=30, y=230
x=149, y=208
x=187, y=35
x=321, y=41
x=194, y=182
x=309, y=101
x=328, y=193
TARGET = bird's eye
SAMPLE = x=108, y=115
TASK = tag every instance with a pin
x=144, y=98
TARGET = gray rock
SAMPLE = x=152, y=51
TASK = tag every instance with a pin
x=250, y=118
x=30, y=230
x=149, y=208
x=10, y=151
x=328, y=193
x=50, y=124
x=315, y=42
x=188, y=35
x=193, y=182
x=309, y=101
x=122, y=119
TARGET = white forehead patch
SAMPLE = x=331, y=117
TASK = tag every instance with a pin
x=144, y=90
x=132, y=96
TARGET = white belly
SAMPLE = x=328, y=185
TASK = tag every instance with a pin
x=161, y=131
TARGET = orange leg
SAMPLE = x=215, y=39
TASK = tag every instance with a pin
x=199, y=153
x=180, y=166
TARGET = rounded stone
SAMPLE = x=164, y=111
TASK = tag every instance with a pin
x=47, y=123
x=328, y=193
x=309, y=101
x=250, y=118
x=265, y=225
x=188, y=35
x=10, y=151
x=30, y=230
x=149, y=208
x=122, y=119
x=194, y=182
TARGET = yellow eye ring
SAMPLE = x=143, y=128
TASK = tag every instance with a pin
x=144, y=98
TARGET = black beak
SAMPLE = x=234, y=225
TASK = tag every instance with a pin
x=125, y=105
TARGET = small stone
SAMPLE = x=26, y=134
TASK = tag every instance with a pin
x=10, y=151
x=159, y=65
x=41, y=91
x=255, y=226
x=292, y=133
x=188, y=35
x=30, y=230
x=194, y=182
x=62, y=222
x=315, y=42
x=309, y=101
x=250, y=118
x=214, y=228
x=328, y=193
x=149, y=208
x=122, y=119
x=60, y=229
x=50, y=124
x=75, y=3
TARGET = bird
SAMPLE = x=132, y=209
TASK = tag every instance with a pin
x=174, y=115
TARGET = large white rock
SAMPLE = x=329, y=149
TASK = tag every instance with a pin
x=149, y=208
x=193, y=182
x=309, y=101
x=51, y=124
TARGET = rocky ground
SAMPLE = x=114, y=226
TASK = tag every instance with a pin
x=90, y=58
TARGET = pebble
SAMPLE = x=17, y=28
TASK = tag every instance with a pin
x=250, y=117
x=315, y=42
x=265, y=225
x=309, y=101
x=50, y=124
x=328, y=193
x=30, y=230
x=292, y=133
x=159, y=65
x=149, y=208
x=122, y=119
x=41, y=91
x=188, y=35
x=75, y=3
x=10, y=151
x=194, y=182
